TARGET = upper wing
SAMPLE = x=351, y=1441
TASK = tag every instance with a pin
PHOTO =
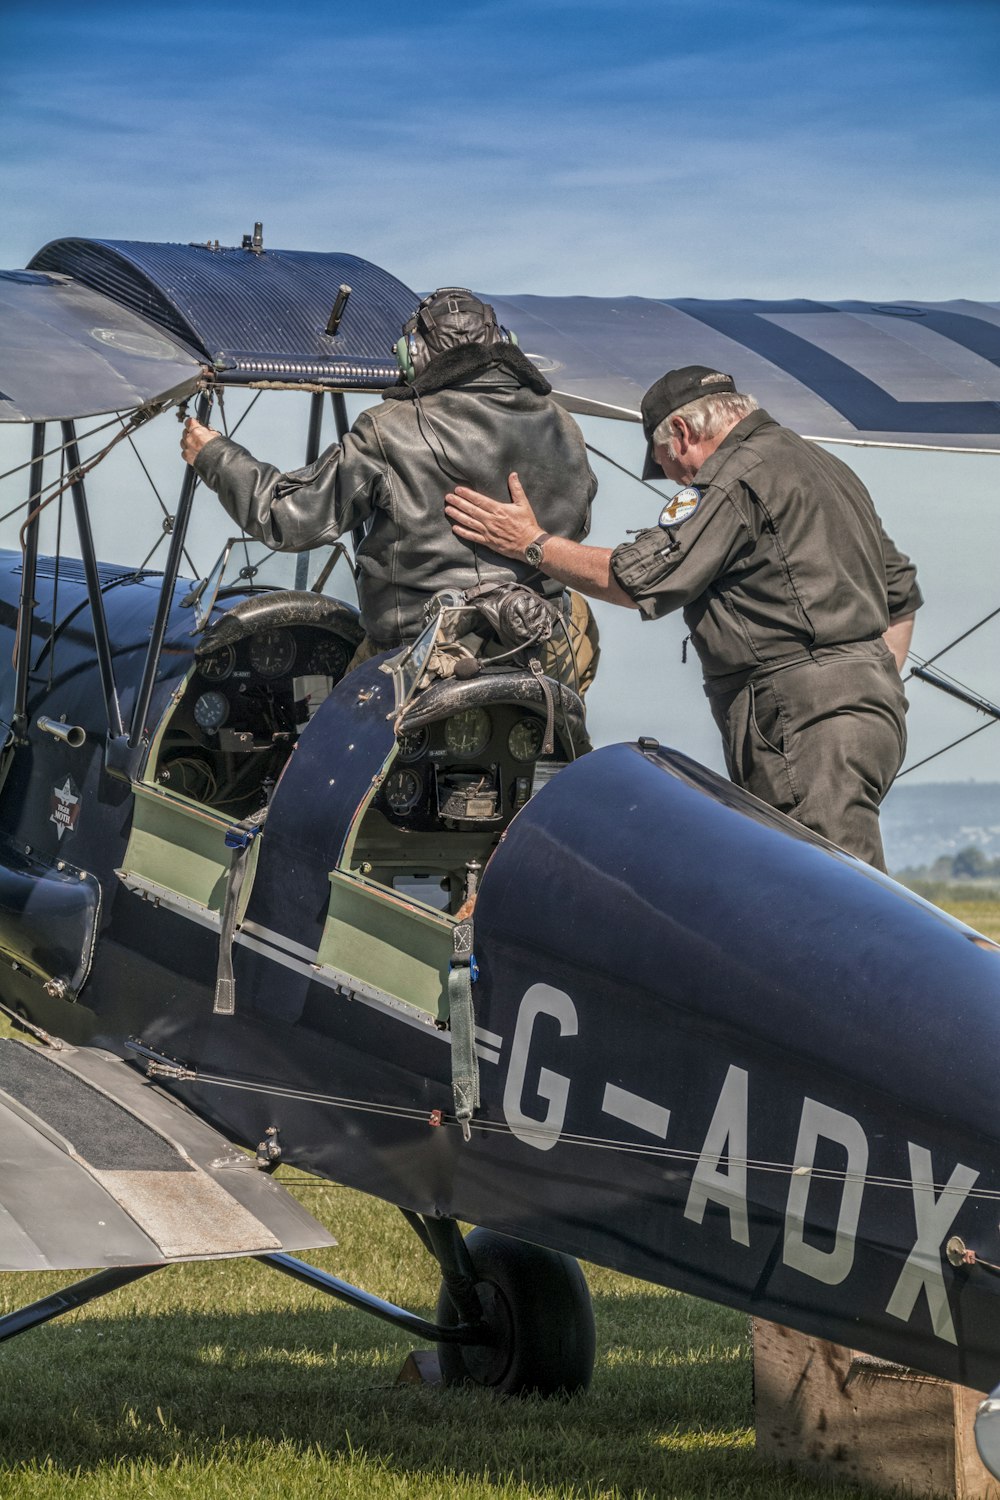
x=107, y=325
x=101, y=1169
x=916, y=375
x=67, y=351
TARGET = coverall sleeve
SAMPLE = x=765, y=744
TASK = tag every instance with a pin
x=305, y=507
x=901, y=580
x=664, y=569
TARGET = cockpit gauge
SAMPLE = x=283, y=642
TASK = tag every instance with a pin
x=525, y=739
x=218, y=666
x=328, y=658
x=272, y=652
x=211, y=710
x=402, y=791
x=469, y=732
x=411, y=746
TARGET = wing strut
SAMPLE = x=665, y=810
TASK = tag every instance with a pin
x=77, y=1295
x=312, y=453
x=102, y=641
x=26, y=604
x=177, y=538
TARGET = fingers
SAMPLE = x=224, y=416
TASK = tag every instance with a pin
x=194, y=438
x=516, y=488
x=469, y=501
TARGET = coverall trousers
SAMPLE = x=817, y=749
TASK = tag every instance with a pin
x=819, y=738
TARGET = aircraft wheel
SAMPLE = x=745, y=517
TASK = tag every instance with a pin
x=538, y=1304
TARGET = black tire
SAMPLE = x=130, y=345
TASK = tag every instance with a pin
x=538, y=1304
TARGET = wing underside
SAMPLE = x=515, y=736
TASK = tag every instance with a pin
x=914, y=375
x=68, y=351
x=100, y=1169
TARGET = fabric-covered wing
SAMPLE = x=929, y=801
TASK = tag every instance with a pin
x=67, y=351
x=101, y=1169
x=922, y=375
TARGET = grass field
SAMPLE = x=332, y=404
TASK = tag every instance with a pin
x=227, y=1380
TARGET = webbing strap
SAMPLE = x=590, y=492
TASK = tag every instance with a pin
x=238, y=838
x=464, y=1063
x=549, y=738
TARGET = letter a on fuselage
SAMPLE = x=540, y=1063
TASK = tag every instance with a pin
x=727, y=1135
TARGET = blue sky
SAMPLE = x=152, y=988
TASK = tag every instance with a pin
x=740, y=148
x=671, y=148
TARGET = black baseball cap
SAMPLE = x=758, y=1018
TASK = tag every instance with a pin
x=672, y=391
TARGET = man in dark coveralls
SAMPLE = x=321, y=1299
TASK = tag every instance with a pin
x=470, y=408
x=798, y=604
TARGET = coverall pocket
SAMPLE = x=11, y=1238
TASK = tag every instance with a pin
x=766, y=719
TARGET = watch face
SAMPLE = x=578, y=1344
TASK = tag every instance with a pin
x=533, y=554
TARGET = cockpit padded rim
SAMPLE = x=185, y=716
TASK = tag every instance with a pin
x=452, y=696
x=276, y=608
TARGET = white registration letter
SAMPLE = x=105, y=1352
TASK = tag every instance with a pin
x=830, y=1266
x=934, y=1217
x=541, y=999
x=727, y=1133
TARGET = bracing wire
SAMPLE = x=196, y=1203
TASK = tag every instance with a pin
x=152, y=484
x=944, y=748
x=546, y=1134
x=59, y=447
x=631, y=474
x=964, y=636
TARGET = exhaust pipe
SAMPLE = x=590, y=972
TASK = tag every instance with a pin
x=70, y=734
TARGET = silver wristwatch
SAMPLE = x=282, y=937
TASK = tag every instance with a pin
x=535, y=550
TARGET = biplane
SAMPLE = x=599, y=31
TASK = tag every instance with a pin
x=681, y=1036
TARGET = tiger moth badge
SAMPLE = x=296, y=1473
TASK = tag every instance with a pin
x=680, y=507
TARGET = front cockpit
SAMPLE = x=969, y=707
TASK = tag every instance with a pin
x=259, y=675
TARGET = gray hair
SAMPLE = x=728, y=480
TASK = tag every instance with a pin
x=707, y=417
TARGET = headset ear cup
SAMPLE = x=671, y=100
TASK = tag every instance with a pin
x=512, y=337
x=403, y=359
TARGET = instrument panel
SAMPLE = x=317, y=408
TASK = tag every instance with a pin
x=474, y=769
x=271, y=682
x=243, y=709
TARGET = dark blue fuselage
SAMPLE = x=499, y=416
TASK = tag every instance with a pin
x=714, y=1051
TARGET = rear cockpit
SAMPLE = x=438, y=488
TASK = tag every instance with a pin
x=468, y=756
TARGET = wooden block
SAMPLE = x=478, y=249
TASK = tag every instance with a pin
x=837, y=1414
x=420, y=1367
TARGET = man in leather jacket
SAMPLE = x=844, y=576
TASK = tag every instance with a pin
x=472, y=407
x=798, y=604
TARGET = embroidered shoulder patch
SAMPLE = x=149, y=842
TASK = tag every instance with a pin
x=680, y=506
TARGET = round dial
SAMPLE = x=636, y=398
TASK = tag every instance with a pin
x=402, y=791
x=218, y=666
x=525, y=739
x=328, y=658
x=468, y=733
x=412, y=745
x=211, y=710
x=272, y=652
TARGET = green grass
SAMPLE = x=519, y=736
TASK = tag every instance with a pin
x=220, y=1380
x=228, y=1380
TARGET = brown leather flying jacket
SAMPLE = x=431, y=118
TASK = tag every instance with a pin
x=783, y=553
x=474, y=415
